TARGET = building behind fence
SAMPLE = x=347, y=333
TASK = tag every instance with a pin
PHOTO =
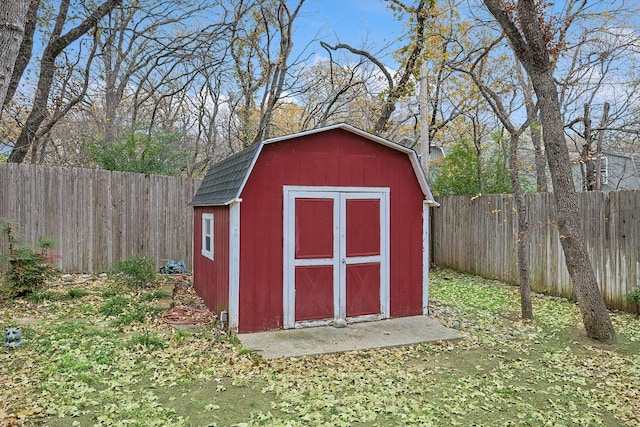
x=98, y=217
x=477, y=235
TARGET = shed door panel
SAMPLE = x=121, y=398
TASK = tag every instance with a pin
x=314, y=228
x=363, y=289
x=362, y=251
x=314, y=258
x=363, y=227
x=314, y=292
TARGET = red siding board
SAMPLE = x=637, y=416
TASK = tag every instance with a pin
x=333, y=158
x=211, y=278
x=318, y=167
x=406, y=289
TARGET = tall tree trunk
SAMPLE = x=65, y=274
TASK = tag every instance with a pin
x=529, y=42
x=421, y=12
x=425, y=144
x=594, y=311
x=12, y=29
x=536, y=136
x=522, y=240
x=539, y=160
x=522, y=221
x=54, y=47
x=26, y=47
x=275, y=83
x=589, y=182
x=603, y=126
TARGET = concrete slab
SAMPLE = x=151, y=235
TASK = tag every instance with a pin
x=356, y=336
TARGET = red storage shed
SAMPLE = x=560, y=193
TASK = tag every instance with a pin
x=309, y=228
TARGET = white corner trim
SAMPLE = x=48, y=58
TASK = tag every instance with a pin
x=234, y=266
x=288, y=274
x=385, y=250
x=425, y=258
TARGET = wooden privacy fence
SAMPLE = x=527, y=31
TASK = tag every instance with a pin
x=98, y=217
x=477, y=235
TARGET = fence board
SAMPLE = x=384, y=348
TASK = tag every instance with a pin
x=477, y=235
x=97, y=217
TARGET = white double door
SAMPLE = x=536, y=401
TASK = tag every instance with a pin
x=336, y=258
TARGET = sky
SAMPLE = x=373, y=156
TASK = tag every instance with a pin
x=360, y=23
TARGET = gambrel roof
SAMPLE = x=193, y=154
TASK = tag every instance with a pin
x=224, y=180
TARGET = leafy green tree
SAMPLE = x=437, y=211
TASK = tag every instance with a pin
x=457, y=173
x=495, y=172
x=469, y=171
x=141, y=154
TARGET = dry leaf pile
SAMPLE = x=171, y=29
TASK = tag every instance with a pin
x=188, y=308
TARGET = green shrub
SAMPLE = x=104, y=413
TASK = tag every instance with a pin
x=633, y=299
x=127, y=311
x=28, y=268
x=471, y=170
x=135, y=273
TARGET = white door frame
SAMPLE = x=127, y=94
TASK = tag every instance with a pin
x=339, y=261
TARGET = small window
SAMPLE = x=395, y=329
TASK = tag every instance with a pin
x=207, y=235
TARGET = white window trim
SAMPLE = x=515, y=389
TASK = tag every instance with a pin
x=207, y=253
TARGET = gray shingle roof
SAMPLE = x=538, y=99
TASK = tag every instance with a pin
x=223, y=181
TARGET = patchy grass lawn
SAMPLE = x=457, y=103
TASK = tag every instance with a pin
x=92, y=356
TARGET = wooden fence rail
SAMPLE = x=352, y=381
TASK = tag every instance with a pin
x=477, y=235
x=98, y=217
